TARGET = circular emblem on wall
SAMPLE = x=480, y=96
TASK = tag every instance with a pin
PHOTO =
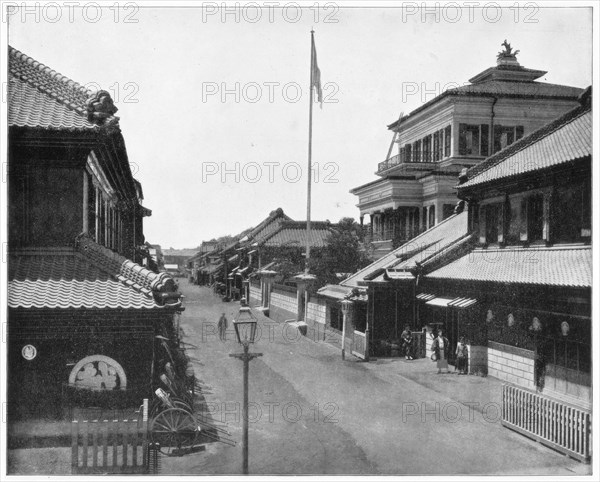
x=98, y=372
x=564, y=328
x=29, y=352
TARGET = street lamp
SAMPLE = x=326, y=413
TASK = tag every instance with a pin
x=245, y=330
x=346, y=304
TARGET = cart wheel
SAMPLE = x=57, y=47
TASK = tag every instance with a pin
x=174, y=430
x=183, y=404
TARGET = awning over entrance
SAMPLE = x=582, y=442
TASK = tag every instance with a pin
x=443, y=302
x=449, y=302
x=425, y=296
x=462, y=302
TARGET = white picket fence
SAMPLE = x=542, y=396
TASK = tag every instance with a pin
x=558, y=425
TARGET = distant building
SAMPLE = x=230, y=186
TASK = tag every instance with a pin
x=178, y=257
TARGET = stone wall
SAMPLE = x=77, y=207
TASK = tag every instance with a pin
x=511, y=364
x=283, y=304
x=317, y=310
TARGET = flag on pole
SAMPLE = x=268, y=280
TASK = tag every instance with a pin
x=316, y=74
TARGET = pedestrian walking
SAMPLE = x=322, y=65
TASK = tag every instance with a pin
x=440, y=352
x=407, y=342
x=462, y=356
x=222, y=325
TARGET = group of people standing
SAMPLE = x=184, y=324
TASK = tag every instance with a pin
x=440, y=348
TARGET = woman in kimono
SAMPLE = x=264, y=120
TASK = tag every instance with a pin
x=440, y=348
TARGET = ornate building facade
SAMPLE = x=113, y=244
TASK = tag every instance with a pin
x=459, y=128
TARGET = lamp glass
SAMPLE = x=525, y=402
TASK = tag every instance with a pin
x=245, y=325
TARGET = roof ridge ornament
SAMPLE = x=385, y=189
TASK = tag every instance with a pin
x=101, y=108
x=507, y=56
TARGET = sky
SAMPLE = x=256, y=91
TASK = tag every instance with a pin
x=214, y=104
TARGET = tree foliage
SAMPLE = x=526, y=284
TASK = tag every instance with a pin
x=341, y=256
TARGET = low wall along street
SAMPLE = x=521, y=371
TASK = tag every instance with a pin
x=283, y=303
x=511, y=364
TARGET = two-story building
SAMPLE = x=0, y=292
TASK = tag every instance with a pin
x=458, y=128
x=83, y=315
x=531, y=271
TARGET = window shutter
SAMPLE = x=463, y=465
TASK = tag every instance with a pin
x=519, y=130
x=485, y=136
x=462, y=140
x=447, y=140
x=482, y=226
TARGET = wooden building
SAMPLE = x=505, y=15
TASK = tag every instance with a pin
x=530, y=269
x=83, y=315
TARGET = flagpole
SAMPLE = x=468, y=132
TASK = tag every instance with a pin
x=308, y=177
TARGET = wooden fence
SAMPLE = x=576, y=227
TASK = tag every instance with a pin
x=553, y=423
x=110, y=446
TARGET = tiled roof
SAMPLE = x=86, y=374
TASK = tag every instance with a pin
x=501, y=88
x=416, y=250
x=41, y=97
x=556, y=266
x=268, y=226
x=518, y=89
x=293, y=233
x=566, y=139
x=89, y=276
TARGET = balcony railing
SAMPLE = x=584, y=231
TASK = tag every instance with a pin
x=423, y=157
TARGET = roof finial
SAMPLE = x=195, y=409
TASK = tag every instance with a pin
x=507, y=56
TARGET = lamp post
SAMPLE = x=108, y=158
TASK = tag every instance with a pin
x=346, y=304
x=245, y=330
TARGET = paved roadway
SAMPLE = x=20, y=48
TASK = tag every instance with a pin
x=312, y=413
